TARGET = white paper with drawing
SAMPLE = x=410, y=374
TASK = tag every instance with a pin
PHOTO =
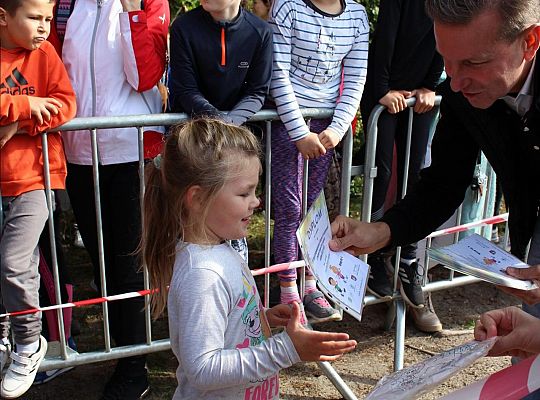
x=477, y=256
x=417, y=379
x=341, y=276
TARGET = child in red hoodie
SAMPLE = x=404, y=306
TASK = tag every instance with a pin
x=35, y=96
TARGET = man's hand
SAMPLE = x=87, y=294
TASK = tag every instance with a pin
x=518, y=332
x=425, y=100
x=530, y=297
x=357, y=237
x=329, y=139
x=310, y=146
x=7, y=132
x=394, y=100
x=316, y=346
x=42, y=107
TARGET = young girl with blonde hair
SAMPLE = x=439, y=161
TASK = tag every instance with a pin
x=200, y=195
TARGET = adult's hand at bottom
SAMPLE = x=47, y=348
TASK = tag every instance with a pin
x=357, y=237
x=518, y=331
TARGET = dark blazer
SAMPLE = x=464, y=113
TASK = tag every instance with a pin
x=510, y=143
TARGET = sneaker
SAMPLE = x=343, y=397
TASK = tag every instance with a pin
x=318, y=309
x=378, y=283
x=46, y=376
x=22, y=371
x=5, y=352
x=411, y=277
x=425, y=319
x=122, y=387
x=303, y=318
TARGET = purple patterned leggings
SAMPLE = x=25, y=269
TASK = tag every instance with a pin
x=287, y=173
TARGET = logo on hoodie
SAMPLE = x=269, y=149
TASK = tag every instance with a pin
x=16, y=84
x=243, y=64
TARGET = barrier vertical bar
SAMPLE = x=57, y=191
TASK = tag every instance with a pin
x=459, y=214
x=346, y=163
x=54, y=259
x=99, y=228
x=146, y=278
x=268, y=207
x=305, y=176
x=399, y=347
x=490, y=175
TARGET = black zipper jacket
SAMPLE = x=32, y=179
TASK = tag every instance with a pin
x=220, y=69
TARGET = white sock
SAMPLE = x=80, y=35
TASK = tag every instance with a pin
x=29, y=348
x=310, y=286
x=289, y=294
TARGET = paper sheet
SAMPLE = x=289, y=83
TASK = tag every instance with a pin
x=341, y=276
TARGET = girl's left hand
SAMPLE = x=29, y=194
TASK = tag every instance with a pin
x=278, y=315
x=329, y=139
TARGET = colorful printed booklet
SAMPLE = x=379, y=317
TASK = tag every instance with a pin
x=341, y=276
x=477, y=256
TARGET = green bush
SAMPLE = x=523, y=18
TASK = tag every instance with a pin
x=372, y=7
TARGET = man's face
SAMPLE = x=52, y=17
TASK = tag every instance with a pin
x=482, y=66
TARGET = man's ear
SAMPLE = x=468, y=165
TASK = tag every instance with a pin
x=532, y=42
x=3, y=14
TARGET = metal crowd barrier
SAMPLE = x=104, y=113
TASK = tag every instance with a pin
x=397, y=310
x=67, y=358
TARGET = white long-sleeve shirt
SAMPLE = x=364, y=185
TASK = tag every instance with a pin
x=114, y=60
x=218, y=329
x=311, y=49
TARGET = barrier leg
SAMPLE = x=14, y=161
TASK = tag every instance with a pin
x=399, y=345
x=336, y=380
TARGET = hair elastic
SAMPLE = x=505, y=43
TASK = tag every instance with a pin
x=157, y=161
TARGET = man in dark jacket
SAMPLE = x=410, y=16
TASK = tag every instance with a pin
x=491, y=102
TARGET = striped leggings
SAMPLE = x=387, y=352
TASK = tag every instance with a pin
x=287, y=173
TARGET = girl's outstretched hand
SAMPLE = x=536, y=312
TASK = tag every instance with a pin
x=316, y=346
x=278, y=315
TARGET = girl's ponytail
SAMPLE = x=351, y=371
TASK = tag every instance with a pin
x=159, y=236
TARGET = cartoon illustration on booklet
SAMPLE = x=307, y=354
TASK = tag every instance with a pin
x=341, y=276
x=479, y=257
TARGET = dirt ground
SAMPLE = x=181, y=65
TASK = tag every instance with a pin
x=361, y=369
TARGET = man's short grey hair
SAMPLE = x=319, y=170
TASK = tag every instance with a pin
x=517, y=15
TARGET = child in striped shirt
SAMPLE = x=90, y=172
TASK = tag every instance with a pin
x=314, y=42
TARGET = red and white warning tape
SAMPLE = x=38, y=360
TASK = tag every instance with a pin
x=460, y=228
x=140, y=293
x=272, y=269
